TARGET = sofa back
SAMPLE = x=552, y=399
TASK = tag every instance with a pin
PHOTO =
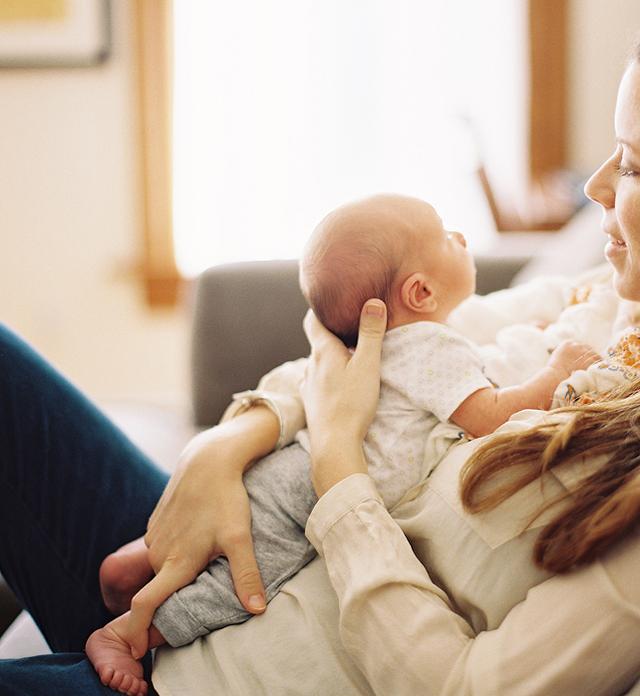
x=247, y=320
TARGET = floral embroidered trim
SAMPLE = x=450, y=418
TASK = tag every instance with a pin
x=627, y=350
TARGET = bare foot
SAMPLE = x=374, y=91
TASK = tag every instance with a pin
x=122, y=574
x=111, y=657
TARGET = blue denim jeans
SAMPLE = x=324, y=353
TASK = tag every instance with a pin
x=72, y=490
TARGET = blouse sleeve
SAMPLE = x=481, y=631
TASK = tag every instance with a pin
x=280, y=391
x=573, y=634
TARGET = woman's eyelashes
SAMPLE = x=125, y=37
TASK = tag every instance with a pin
x=625, y=171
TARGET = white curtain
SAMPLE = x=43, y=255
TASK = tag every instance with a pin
x=285, y=109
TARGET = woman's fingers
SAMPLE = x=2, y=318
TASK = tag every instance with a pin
x=364, y=366
x=170, y=578
x=319, y=337
x=340, y=395
x=245, y=575
x=181, y=543
x=373, y=324
x=341, y=390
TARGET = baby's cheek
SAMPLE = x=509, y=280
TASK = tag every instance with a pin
x=628, y=210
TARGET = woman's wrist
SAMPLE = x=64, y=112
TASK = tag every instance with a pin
x=236, y=443
x=334, y=461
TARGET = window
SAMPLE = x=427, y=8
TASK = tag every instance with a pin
x=285, y=109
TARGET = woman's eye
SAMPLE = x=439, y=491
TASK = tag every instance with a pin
x=624, y=171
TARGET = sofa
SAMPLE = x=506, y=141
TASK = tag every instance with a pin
x=247, y=319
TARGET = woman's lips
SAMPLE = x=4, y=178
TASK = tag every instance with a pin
x=614, y=247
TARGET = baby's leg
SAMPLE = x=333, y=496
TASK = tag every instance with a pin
x=109, y=651
x=281, y=497
x=123, y=573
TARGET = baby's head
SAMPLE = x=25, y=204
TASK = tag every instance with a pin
x=387, y=246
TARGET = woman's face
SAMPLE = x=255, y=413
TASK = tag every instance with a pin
x=616, y=187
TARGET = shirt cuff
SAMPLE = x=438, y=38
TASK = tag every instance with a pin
x=337, y=502
x=243, y=401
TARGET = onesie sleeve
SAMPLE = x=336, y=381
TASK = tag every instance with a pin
x=433, y=366
x=280, y=391
x=573, y=634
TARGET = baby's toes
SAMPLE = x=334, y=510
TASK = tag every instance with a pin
x=138, y=688
x=117, y=681
x=125, y=684
x=106, y=674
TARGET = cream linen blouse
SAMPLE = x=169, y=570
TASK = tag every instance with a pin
x=367, y=618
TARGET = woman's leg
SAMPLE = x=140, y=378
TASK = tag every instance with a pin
x=62, y=674
x=72, y=489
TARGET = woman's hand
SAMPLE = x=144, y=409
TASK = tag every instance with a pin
x=340, y=393
x=204, y=511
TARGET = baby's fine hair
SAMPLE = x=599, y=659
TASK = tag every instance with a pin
x=346, y=264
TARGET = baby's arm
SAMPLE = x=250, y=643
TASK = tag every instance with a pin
x=486, y=409
x=617, y=370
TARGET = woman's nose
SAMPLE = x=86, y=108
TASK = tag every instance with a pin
x=600, y=186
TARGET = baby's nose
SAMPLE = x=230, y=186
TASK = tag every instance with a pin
x=460, y=238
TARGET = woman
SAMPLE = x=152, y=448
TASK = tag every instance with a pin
x=69, y=484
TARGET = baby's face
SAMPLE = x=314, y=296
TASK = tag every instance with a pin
x=442, y=255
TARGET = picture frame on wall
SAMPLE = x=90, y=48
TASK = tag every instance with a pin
x=54, y=33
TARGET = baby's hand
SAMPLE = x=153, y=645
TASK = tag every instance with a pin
x=570, y=356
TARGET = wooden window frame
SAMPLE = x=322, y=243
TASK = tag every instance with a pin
x=162, y=280
x=548, y=204
x=547, y=134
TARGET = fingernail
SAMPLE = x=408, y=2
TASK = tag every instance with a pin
x=374, y=310
x=256, y=602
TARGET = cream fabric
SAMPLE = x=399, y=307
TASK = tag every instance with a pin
x=387, y=628
x=519, y=350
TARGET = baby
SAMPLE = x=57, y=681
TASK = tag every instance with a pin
x=434, y=393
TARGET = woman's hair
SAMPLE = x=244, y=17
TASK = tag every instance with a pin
x=602, y=509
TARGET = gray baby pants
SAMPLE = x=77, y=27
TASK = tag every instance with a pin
x=281, y=497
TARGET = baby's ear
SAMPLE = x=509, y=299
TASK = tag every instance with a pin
x=417, y=294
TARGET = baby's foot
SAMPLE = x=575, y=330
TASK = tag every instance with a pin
x=122, y=574
x=111, y=657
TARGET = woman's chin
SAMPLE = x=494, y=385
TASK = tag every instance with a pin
x=626, y=287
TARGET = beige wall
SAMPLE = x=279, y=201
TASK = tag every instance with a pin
x=70, y=215
x=601, y=34
x=69, y=226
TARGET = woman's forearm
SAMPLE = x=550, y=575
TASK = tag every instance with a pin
x=279, y=389
x=249, y=436
x=337, y=463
